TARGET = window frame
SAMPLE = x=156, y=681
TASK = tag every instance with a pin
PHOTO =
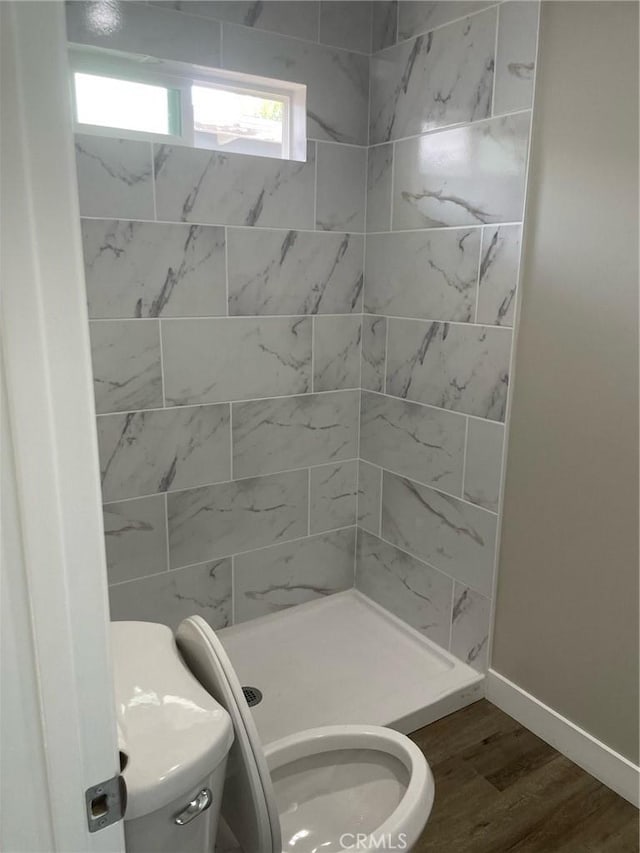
x=179, y=77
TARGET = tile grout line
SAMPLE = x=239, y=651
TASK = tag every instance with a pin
x=324, y=533
x=273, y=317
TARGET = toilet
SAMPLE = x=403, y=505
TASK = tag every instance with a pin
x=333, y=788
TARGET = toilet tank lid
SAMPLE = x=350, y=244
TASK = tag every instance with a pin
x=172, y=731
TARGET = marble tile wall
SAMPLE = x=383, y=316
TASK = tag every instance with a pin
x=285, y=350
x=225, y=304
x=450, y=115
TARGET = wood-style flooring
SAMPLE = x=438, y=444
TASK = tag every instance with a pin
x=500, y=789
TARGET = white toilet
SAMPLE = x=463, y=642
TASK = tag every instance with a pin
x=322, y=790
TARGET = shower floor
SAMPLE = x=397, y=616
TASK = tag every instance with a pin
x=344, y=659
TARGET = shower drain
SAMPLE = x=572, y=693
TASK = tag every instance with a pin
x=252, y=695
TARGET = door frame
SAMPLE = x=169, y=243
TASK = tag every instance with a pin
x=46, y=360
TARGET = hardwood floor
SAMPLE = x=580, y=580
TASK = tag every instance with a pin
x=500, y=789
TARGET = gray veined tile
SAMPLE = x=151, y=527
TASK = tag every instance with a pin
x=333, y=496
x=464, y=176
x=431, y=275
x=197, y=185
x=346, y=23
x=498, y=282
x=424, y=444
x=326, y=71
x=374, y=350
x=369, y=497
x=420, y=16
x=127, y=372
x=293, y=432
x=203, y=590
x=153, y=269
x=439, y=79
x=336, y=358
x=149, y=452
x=379, y=166
x=287, y=18
x=145, y=30
x=207, y=361
x=135, y=535
x=516, y=58
x=384, y=24
x=294, y=272
x=453, y=536
x=239, y=516
x=470, y=627
x=115, y=177
x=464, y=368
x=341, y=186
x=483, y=466
x=273, y=579
x=413, y=591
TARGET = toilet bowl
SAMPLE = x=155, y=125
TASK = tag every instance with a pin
x=326, y=789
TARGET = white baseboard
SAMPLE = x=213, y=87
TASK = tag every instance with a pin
x=608, y=766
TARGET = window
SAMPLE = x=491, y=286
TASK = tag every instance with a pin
x=186, y=105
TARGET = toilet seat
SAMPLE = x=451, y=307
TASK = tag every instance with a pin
x=327, y=789
x=343, y=787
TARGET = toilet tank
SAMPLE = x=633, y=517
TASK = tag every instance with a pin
x=174, y=740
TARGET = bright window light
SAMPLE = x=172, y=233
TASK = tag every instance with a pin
x=109, y=102
x=233, y=115
x=176, y=103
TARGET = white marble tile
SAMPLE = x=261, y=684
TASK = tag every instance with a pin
x=115, y=177
x=337, y=80
x=470, y=627
x=273, y=579
x=420, y=16
x=294, y=272
x=413, y=591
x=455, y=537
x=208, y=361
x=334, y=495
x=135, y=535
x=197, y=185
x=137, y=28
x=463, y=176
x=340, y=204
x=369, y=497
x=374, y=349
x=464, y=368
x=430, y=274
x=483, y=464
x=379, y=167
x=203, y=590
x=126, y=360
x=289, y=18
x=516, y=56
x=498, y=282
x=151, y=269
x=346, y=24
x=439, y=79
x=149, y=452
x=424, y=444
x=336, y=352
x=228, y=518
x=384, y=24
x=292, y=432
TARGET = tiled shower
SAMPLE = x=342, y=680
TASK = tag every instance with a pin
x=302, y=368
